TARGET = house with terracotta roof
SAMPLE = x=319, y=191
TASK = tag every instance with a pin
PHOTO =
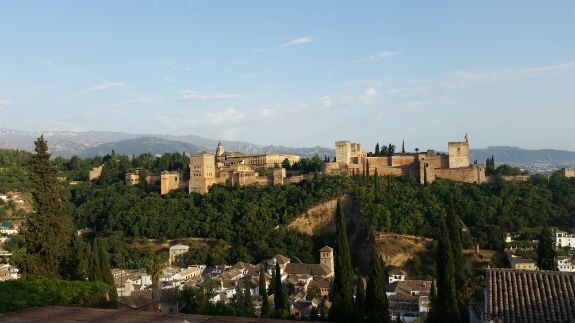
x=408, y=298
x=524, y=296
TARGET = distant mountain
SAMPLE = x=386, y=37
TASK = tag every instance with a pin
x=137, y=146
x=92, y=143
x=535, y=161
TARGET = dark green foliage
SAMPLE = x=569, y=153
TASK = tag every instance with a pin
x=545, y=251
x=266, y=310
x=445, y=305
x=47, y=232
x=196, y=300
x=99, y=266
x=359, y=298
x=262, y=284
x=488, y=210
x=490, y=166
x=507, y=170
x=13, y=175
x=403, y=146
x=281, y=302
x=249, y=308
x=286, y=164
x=461, y=272
x=245, y=218
x=308, y=165
x=376, y=152
x=39, y=291
x=342, y=291
x=376, y=304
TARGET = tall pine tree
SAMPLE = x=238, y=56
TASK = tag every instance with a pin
x=545, y=251
x=100, y=267
x=47, y=231
x=262, y=284
x=360, y=299
x=445, y=305
x=376, y=304
x=281, y=302
x=342, y=291
x=454, y=229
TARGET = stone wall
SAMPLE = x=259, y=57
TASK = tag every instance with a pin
x=173, y=180
x=470, y=174
x=95, y=172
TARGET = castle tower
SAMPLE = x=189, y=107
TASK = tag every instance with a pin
x=343, y=152
x=326, y=257
x=458, y=154
x=220, y=149
x=202, y=172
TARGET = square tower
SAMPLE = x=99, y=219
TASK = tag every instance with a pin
x=343, y=152
x=458, y=154
x=326, y=257
x=202, y=172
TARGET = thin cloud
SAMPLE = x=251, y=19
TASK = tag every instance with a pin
x=297, y=41
x=105, y=86
x=257, y=50
x=464, y=78
x=376, y=57
x=186, y=119
x=194, y=96
x=4, y=105
x=369, y=96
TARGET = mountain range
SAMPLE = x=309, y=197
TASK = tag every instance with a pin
x=93, y=143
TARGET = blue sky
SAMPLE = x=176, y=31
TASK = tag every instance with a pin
x=298, y=73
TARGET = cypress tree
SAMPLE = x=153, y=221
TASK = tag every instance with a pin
x=403, y=146
x=281, y=305
x=545, y=251
x=360, y=299
x=99, y=266
x=47, y=231
x=446, y=306
x=454, y=229
x=266, y=307
x=376, y=149
x=249, y=309
x=342, y=291
x=377, y=305
x=262, y=284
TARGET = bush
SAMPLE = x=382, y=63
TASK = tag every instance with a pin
x=39, y=291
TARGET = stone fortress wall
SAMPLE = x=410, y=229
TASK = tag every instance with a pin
x=427, y=166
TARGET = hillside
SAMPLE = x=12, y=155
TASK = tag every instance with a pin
x=535, y=161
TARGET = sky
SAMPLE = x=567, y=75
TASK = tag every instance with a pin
x=295, y=73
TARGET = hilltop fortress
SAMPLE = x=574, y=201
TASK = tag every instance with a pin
x=237, y=169
x=223, y=168
x=427, y=166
